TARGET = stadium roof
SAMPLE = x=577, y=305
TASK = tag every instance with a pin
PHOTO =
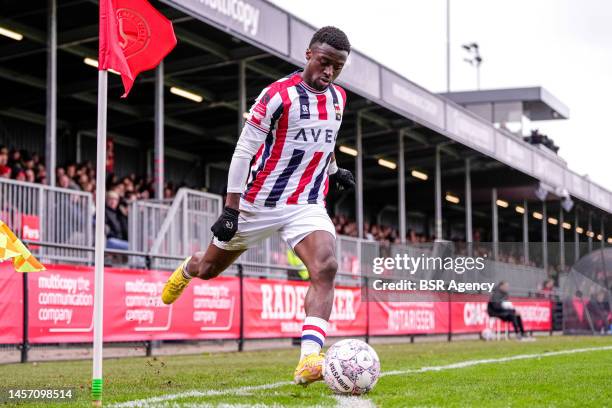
x=538, y=103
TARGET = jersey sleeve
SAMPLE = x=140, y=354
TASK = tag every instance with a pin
x=263, y=111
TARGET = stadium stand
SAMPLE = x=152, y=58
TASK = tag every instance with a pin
x=430, y=168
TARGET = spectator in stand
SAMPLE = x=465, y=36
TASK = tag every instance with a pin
x=20, y=175
x=41, y=173
x=5, y=170
x=15, y=161
x=599, y=310
x=500, y=307
x=547, y=289
x=30, y=177
x=63, y=181
x=27, y=162
x=116, y=223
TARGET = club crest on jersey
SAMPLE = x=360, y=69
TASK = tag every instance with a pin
x=305, y=110
x=338, y=112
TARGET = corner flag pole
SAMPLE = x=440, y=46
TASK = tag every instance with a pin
x=96, y=384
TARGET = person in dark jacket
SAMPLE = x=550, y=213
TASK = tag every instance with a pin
x=500, y=307
x=116, y=224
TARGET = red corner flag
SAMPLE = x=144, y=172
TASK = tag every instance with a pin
x=134, y=37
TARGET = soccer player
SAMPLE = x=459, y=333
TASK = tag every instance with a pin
x=277, y=181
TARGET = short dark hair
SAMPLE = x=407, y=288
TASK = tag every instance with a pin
x=332, y=36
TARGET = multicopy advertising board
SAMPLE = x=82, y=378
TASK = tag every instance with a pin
x=60, y=304
x=254, y=19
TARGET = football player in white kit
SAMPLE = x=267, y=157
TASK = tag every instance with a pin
x=277, y=181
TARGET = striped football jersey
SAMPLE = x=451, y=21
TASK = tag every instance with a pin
x=299, y=127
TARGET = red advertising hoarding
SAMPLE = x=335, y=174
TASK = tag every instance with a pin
x=61, y=309
x=275, y=308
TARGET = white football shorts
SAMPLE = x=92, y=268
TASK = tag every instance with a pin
x=294, y=222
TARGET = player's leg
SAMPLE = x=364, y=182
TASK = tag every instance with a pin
x=317, y=252
x=204, y=265
x=209, y=264
x=519, y=322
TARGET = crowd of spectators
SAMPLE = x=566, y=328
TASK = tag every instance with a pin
x=22, y=165
x=375, y=232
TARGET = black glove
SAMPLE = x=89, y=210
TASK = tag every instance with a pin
x=226, y=225
x=343, y=179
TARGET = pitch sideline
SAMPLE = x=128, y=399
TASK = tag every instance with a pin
x=247, y=389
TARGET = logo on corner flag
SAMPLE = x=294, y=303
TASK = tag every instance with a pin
x=134, y=32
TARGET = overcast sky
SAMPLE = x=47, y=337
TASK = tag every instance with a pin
x=562, y=45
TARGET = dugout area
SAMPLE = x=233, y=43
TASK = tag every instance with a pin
x=228, y=72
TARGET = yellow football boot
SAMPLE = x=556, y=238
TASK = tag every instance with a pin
x=175, y=285
x=309, y=369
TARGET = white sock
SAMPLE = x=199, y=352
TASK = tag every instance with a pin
x=185, y=274
x=313, y=335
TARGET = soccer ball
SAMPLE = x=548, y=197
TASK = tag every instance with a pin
x=487, y=334
x=351, y=367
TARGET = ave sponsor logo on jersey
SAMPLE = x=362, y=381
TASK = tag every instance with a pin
x=313, y=135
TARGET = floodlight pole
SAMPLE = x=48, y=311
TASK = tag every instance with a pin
x=51, y=119
x=544, y=238
x=96, y=386
x=401, y=179
x=576, y=237
x=359, y=167
x=438, y=198
x=561, y=240
x=602, y=232
x=526, y=232
x=495, y=223
x=242, y=94
x=158, y=162
x=468, y=203
x=590, y=231
x=448, y=50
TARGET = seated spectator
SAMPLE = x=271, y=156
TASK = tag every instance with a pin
x=599, y=309
x=500, y=307
x=116, y=223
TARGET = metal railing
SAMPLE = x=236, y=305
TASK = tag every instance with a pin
x=178, y=227
x=182, y=226
x=43, y=213
x=167, y=229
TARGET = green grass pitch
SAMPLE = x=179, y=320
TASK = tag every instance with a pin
x=261, y=378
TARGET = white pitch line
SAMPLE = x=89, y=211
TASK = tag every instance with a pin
x=351, y=401
x=195, y=393
x=247, y=389
x=471, y=363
